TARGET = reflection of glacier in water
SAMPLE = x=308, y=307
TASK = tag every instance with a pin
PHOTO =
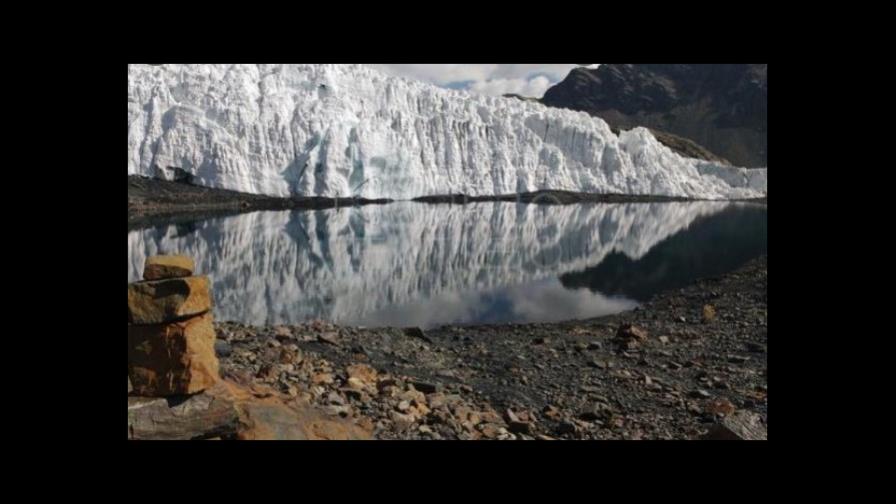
x=414, y=264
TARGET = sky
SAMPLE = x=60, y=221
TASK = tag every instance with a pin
x=490, y=79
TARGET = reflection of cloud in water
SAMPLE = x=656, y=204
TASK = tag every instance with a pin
x=539, y=301
x=346, y=264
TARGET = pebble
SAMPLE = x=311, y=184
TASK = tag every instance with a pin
x=223, y=348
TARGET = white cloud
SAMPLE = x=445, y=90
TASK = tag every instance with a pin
x=532, y=87
x=491, y=79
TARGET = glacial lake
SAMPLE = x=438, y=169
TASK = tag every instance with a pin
x=416, y=264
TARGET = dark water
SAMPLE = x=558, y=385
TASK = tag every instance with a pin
x=413, y=264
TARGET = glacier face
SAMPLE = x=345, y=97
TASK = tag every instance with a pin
x=350, y=130
x=411, y=263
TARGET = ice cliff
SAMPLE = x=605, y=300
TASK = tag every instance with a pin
x=349, y=130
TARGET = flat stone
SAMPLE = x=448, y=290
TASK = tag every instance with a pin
x=273, y=420
x=160, y=301
x=167, y=266
x=174, y=358
x=740, y=425
x=330, y=338
x=200, y=416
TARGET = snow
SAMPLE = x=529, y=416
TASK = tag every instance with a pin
x=349, y=264
x=350, y=130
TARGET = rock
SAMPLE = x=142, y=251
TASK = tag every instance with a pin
x=174, y=358
x=631, y=331
x=709, y=313
x=416, y=332
x=595, y=345
x=272, y=419
x=490, y=416
x=427, y=388
x=329, y=338
x=167, y=266
x=401, y=420
x=491, y=431
x=340, y=410
x=355, y=384
x=363, y=373
x=629, y=336
x=540, y=341
x=599, y=364
x=335, y=398
x=130, y=387
x=740, y=425
x=267, y=372
x=738, y=359
x=567, y=427
x=755, y=347
x=720, y=406
x=664, y=339
x=414, y=396
x=518, y=422
x=436, y=400
x=201, y=416
x=282, y=332
x=700, y=393
x=355, y=394
x=223, y=348
x=160, y=301
x=322, y=378
x=290, y=355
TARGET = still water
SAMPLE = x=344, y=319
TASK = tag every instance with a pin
x=414, y=264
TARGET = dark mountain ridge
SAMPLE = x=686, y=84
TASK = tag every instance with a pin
x=719, y=109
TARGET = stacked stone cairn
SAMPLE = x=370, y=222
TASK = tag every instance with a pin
x=171, y=338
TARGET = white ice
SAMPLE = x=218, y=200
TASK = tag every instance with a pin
x=350, y=130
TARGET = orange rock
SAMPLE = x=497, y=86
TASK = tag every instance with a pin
x=167, y=266
x=160, y=301
x=277, y=417
x=362, y=372
x=721, y=406
x=174, y=358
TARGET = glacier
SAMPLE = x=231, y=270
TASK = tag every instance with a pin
x=410, y=263
x=350, y=130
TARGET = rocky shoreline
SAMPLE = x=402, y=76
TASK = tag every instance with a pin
x=154, y=201
x=688, y=364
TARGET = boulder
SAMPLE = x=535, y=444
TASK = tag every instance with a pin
x=160, y=301
x=200, y=416
x=268, y=415
x=174, y=358
x=167, y=266
x=740, y=425
x=231, y=411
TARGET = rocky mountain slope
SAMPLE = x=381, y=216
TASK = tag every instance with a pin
x=723, y=108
